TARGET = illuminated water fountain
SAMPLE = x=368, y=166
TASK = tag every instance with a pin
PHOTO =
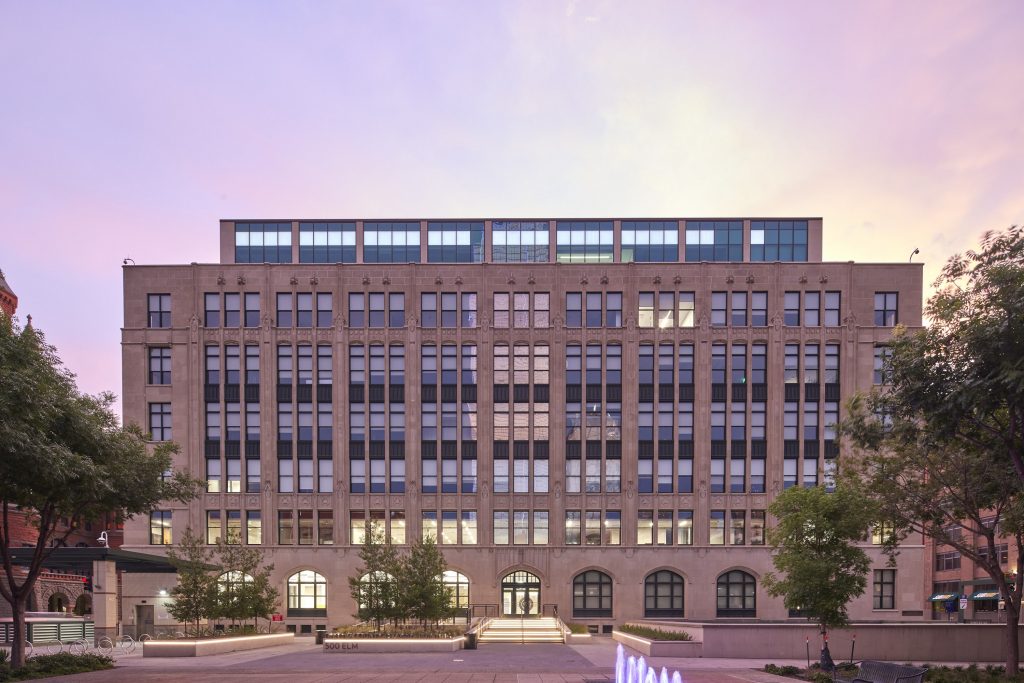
x=633, y=670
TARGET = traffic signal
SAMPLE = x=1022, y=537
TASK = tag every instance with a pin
x=87, y=584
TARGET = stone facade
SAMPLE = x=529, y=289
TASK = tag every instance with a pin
x=563, y=445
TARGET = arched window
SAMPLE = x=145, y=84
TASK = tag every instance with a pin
x=459, y=585
x=737, y=594
x=375, y=588
x=663, y=594
x=307, y=594
x=592, y=594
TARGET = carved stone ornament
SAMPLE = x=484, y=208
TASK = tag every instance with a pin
x=458, y=280
x=241, y=279
x=823, y=279
x=386, y=280
x=531, y=280
x=314, y=280
x=220, y=279
x=803, y=278
x=677, y=280
x=511, y=279
x=366, y=280
x=657, y=279
x=750, y=279
x=604, y=279
x=730, y=279
x=438, y=280
x=293, y=280
x=584, y=280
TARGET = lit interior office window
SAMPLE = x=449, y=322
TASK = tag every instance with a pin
x=650, y=241
x=584, y=241
x=714, y=241
x=461, y=242
x=778, y=240
x=263, y=242
x=520, y=241
x=327, y=242
x=391, y=242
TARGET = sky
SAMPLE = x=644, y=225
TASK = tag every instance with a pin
x=129, y=129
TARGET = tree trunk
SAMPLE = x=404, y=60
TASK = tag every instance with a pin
x=20, y=636
x=1012, y=649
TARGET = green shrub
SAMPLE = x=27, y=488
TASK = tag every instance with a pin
x=400, y=631
x=44, y=666
x=578, y=628
x=654, y=633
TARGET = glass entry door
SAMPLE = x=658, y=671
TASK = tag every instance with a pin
x=520, y=595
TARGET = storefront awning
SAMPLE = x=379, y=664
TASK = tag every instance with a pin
x=985, y=595
x=942, y=597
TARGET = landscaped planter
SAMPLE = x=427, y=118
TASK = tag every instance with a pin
x=213, y=646
x=660, y=648
x=357, y=645
x=577, y=638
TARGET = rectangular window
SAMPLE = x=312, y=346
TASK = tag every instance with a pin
x=645, y=315
x=160, y=421
x=583, y=241
x=737, y=527
x=666, y=310
x=468, y=312
x=211, y=309
x=883, y=354
x=232, y=309
x=684, y=527
x=886, y=309
x=717, y=527
x=540, y=527
x=778, y=240
x=791, y=312
x=714, y=241
x=502, y=308
x=396, y=310
x=252, y=309
x=593, y=527
x=159, y=365
x=757, y=527
x=574, y=309
x=520, y=241
x=520, y=527
x=449, y=527
x=391, y=242
x=263, y=243
x=759, y=309
x=160, y=527
x=738, y=309
x=324, y=309
x=213, y=526
x=253, y=527
x=684, y=316
x=304, y=309
x=159, y=307
x=812, y=309
x=455, y=242
x=718, y=308
x=327, y=242
x=468, y=527
x=285, y=527
x=645, y=527
x=397, y=529
x=305, y=527
x=650, y=241
x=428, y=525
x=832, y=301
x=612, y=527
x=573, y=530
x=428, y=309
x=613, y=309
x=234, y=530
x=284, y=309
x=885, y=589
x=285, y=476
x=356, y=310
x=501, y=527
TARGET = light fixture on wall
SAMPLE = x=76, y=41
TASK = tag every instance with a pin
x=163, y=593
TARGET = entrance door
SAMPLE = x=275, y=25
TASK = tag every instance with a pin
x=143, y=620
x=520, y=595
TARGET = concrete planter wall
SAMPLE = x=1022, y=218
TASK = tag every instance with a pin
x=359, y=645
x=577, y=638
x=213, y=646
x=660, y=648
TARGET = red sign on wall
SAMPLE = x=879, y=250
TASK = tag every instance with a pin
x=277, y=617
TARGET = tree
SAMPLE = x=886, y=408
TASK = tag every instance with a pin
x=375, y=587
x=244, y=589
x=63, y=454
x=815, y=544
x=424, y=595
x=961, y=378
x=195, y=595
x=949, y=490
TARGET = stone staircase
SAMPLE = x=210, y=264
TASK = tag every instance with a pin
x=532, y=630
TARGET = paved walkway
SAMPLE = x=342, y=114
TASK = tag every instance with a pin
x=491, y=663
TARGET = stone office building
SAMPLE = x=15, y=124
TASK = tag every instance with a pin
x=591, y=415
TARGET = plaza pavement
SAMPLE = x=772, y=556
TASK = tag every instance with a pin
x=492, y=663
